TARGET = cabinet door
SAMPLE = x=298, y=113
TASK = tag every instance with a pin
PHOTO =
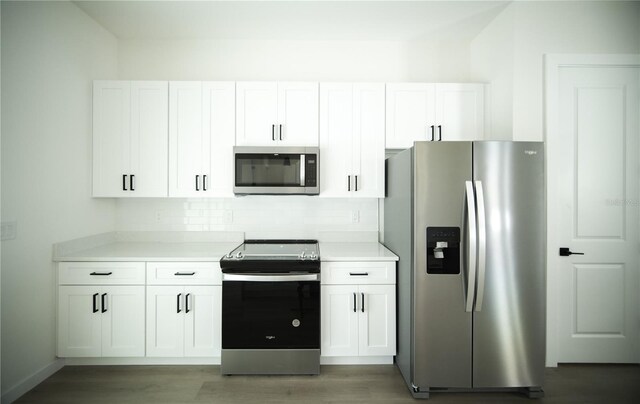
x=203, y=325
x=460, y=111
x=111, y=137
x=368, y=140
x=186, y=139
x=256, y=113
x=410, y=113
x=336, y=132
x=122, y=309
x=165, y=321
x=218, y=124
x=339, y=321
x=298, y=114
x=79, y=328
x=377, y=322
x=149, y=138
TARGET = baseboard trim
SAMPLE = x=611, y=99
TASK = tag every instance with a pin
x=141, y=361
x=32, y=381
x=356, y=360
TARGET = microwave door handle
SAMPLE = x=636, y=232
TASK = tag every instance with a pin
x=302, y=170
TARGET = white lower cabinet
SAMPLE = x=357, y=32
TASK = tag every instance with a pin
x=184, y=321
x=358, y=319
x=100, y=321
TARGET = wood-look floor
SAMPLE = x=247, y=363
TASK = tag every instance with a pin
x=335, y=384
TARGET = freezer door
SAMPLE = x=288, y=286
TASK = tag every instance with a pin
x=509, y=326
x=441, y=339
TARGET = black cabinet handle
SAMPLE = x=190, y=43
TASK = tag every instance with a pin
x=186, y=303
x=348, y=183
x=184, y=273
x=131, y=183
x=439, y=133
x=358, y=273
x=565, y=252
x=280, y=132
x=101, y=273
x=178, y=302
x=103, y=300
x=354, y=302
x=204, y=182
x=197, y=177
x=273, y=132
x=433, y=133
x=95, y=302
x=362, y=302
x=356, y=182
x=124, y=182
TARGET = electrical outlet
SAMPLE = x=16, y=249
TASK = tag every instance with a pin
x=9, y=230
x=355, y=216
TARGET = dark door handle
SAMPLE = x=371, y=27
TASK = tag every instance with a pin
x=348, y=183
x=280, y=132
x=197, y=178
x=186, y=303
x=565, y=252
x=95, y=302
x=178, y=302
x=354, y=302
x=204, y=182
x=439, y=133
x=273, y=132
x=124, y=182
x=103, y=300
x=433, y=133
x=362, y=302
x=131, y=183
x=356, y=182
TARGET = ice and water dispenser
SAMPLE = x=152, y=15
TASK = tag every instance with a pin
x=443, y=250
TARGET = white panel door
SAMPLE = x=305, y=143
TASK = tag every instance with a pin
x=256, y=113
x=339, y=321
x=111, y=137
x=377, y=320
x=459, y=111
x=165, y=321
x=410, y=113
x=203, y=325
x=149, y=138
x=593, y=170
x=122, y=310
x=218, y=125
x=368, y=140
x=336, y=133
x=79, y=324
x=186, y=139
x=297, y=114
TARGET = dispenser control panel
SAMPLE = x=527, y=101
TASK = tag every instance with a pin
x=443, y=250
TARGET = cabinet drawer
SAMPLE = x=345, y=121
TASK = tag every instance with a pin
x=351, y=273
x=101, y=273
x=184, y=273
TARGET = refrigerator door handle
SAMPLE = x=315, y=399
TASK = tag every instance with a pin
x=482, y=244
x=470, y=288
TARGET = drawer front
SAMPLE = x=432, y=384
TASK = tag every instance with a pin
x=101, y=273
x=184, y=273
x=352, y=273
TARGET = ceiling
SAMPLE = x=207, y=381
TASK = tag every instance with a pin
x=292, y=20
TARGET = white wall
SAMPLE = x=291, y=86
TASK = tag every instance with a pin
x=51, y=52
x=509, y=53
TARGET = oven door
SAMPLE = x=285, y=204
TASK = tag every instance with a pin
x=276, y=311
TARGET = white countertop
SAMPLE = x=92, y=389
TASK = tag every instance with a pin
x=152, y=251
x=367, y=251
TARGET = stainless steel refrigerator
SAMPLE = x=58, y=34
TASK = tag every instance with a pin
x=467, y=221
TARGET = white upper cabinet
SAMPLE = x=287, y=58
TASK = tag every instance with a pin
x=434, y=112
x=201, y=138
x=130, y=138
x=283, y=114
x=352, y=140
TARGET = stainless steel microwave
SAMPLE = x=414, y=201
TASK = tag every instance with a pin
x=276, y=170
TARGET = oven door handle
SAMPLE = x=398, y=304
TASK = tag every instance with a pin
x=271, y=277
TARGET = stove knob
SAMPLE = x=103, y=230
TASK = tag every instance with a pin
x=239, y=255
x=228, y=256
x=313, y=256
x=302, y=256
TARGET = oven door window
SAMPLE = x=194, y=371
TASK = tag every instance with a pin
x=277, y=315
x=268, y=170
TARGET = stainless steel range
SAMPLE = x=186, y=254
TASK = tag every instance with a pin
x=271, y=308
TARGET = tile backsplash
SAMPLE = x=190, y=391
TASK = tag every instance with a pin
x=256, y=216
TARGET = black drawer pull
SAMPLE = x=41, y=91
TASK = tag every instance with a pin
x=358, y=273
x=184, y=273
x=101, y=273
